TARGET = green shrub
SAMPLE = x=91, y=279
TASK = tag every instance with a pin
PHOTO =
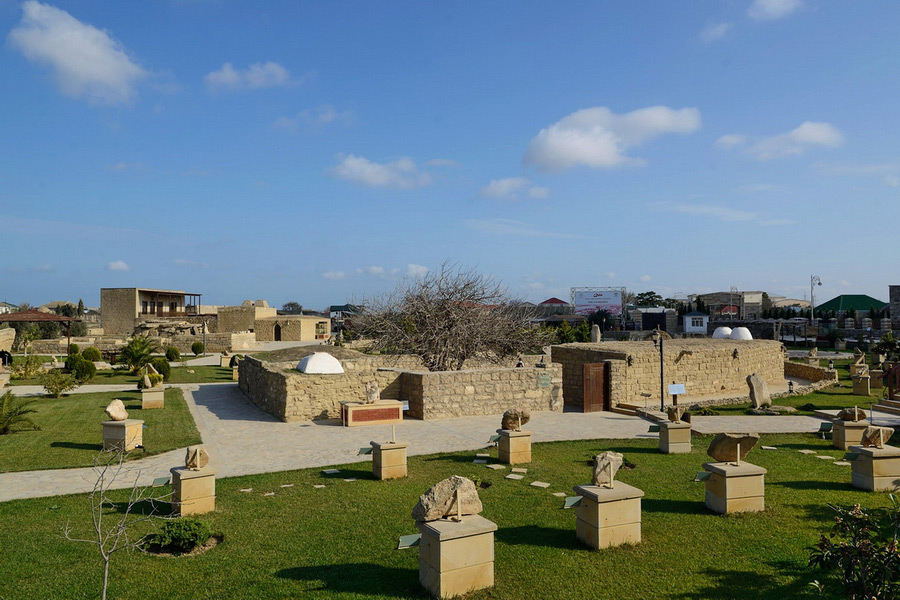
x=72, y=360
x=84, y=371
x=12, y=414
x=162, y=367
x=25, y=368
x=58, y=383
x=154, y=380
x=235, y=360
x=197, y=348
x=92, y=354
x=705, y=411
x=172, y=353
x=179, y=536
x=74, y=349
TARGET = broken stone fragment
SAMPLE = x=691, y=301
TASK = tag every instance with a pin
x=514, y=418
x=440, y=501
x=196, y=458
x=876, y=437
x=852, y=414
x=759, y=391
x=724, y=447
x=606, y=465
x=115, y=410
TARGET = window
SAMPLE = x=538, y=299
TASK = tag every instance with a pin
x=320, y=328
x=696, y=321
x=144, y=307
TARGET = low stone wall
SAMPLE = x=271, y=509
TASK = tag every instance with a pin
x=438, y=395
x=809, y=372
x=292, y=396
x=215, y=342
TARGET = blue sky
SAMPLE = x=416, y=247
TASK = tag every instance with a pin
x=320, y=151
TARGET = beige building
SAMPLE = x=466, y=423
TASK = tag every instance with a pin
x=268, y=326
x=122, y=309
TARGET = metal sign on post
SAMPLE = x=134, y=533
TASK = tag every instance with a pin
x=677, y=389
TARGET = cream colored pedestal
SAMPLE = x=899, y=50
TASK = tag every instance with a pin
x=877, y=376
x=608, y=517
x=123, y=435
x=876, y=469
x=378, y=413
x=154, y=397
x=234, y=374
x=224, y=361
x=675, y=438
x=858, y=369
x=514, y=447
x=861, y=385
x=193, y=492
x=735, y=488
x=847, y=433
x=456, y=557
x=389, y=460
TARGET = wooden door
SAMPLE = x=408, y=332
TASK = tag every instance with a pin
x=596, y=387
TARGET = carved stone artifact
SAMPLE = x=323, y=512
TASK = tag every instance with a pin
x=373, y=394
x=724, y=447
x=674, y=413
x=852, y=414
x=876, y=437
x=514, y=418
x=152, y=369
x=440, y=501
x=606, y=465
x=115, y=410
x=759, y=391
x=196, y=458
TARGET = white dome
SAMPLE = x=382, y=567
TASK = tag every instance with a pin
x=740, y=333
x=320, y=363
x=721, y=333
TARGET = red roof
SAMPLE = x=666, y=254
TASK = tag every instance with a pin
x=33, y=316
x=554, y=301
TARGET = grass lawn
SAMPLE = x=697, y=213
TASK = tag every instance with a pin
x=338, y=542
x=201, y=374
x=71, y=434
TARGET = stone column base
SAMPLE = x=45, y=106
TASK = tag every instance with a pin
x=456, y=557
x=861, y=386
x=735, y=488
x=379, y=413
x=847, y=433
x=154, y=397
x=675, y=438
x=876, y=469
x=514, y=447
x=389, y=460
x=124, y=435
x=193, y=492
x=608, y=517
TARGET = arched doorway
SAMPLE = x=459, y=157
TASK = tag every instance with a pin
x=277, y=332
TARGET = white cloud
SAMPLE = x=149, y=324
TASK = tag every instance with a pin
x=86, y=61
x=714, y=32
x=321, y=115
x=611, y=274
x=118, y=265
x=808, y=135
x=256, y=76
x=770, y=10
x=645, y=278
x=510, y=187
x=416, y=271
x=401, y=174
x=512, y=227
x=721, y=213
x=539, y=192
x=334, y=275
x=888, y=173
x=598, y=138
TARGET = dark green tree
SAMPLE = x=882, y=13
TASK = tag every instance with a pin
x=650, y=298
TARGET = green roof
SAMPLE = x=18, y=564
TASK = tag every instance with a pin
x=845, y=302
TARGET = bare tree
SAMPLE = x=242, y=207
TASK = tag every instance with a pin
x=114, y=523
x=448, y=316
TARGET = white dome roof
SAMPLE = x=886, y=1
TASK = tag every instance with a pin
x=740, y=333
x=320, y=363
x=721, y=333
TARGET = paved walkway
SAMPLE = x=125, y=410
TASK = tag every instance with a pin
x=242, y=439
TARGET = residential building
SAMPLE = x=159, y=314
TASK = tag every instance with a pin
x=122, y=309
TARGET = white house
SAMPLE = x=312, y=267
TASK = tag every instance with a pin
x=696, y=322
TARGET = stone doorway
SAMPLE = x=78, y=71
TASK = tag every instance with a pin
x=277, y=332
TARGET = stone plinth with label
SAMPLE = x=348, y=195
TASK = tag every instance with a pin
x=193, y=490
x=675, y=438
x=732, y=488
x=514, y=447
x=123, y=436
x=389, y=459
x=456, y=557
x=861, y=385
x=847, y=433
x=876, y=469
x=153, y=397
x=608, y=517
x=354, y=414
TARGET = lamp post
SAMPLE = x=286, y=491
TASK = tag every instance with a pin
x=813, y=282
x=658, y=342
x=733, y=290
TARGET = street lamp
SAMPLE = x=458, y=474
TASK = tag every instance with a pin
x=813, y=282
x=733, y=290
x=658, y=342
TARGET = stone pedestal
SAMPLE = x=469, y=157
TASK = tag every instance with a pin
x=608, y=517
x=514, y=447
x=378, y=413
x=675, y=438
x=735, y=488
x=234, y=373
x=224, y=361
x=876, y=469
x=858, y=369
x=193, y=492
x=153, y=397
x=123, y=435
x=812, y=362
x=456, y=557
x=861, y=386
x=389, y=460
x=847, y=433
x=877, y=376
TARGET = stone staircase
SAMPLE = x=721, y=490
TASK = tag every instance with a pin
x=887, y=406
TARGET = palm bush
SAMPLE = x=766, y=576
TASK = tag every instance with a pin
x=13, y=413
x=138, y=352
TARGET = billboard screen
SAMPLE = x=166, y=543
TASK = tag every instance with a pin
x=589, y=302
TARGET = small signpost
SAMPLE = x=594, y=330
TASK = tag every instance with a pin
x=674, y=390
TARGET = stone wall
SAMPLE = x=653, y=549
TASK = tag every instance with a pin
x=118, y=307
x=7, y=337
x=293, y=328
x=215, y=342
x=809, y=372
x=292, y=396
x=707, y=367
